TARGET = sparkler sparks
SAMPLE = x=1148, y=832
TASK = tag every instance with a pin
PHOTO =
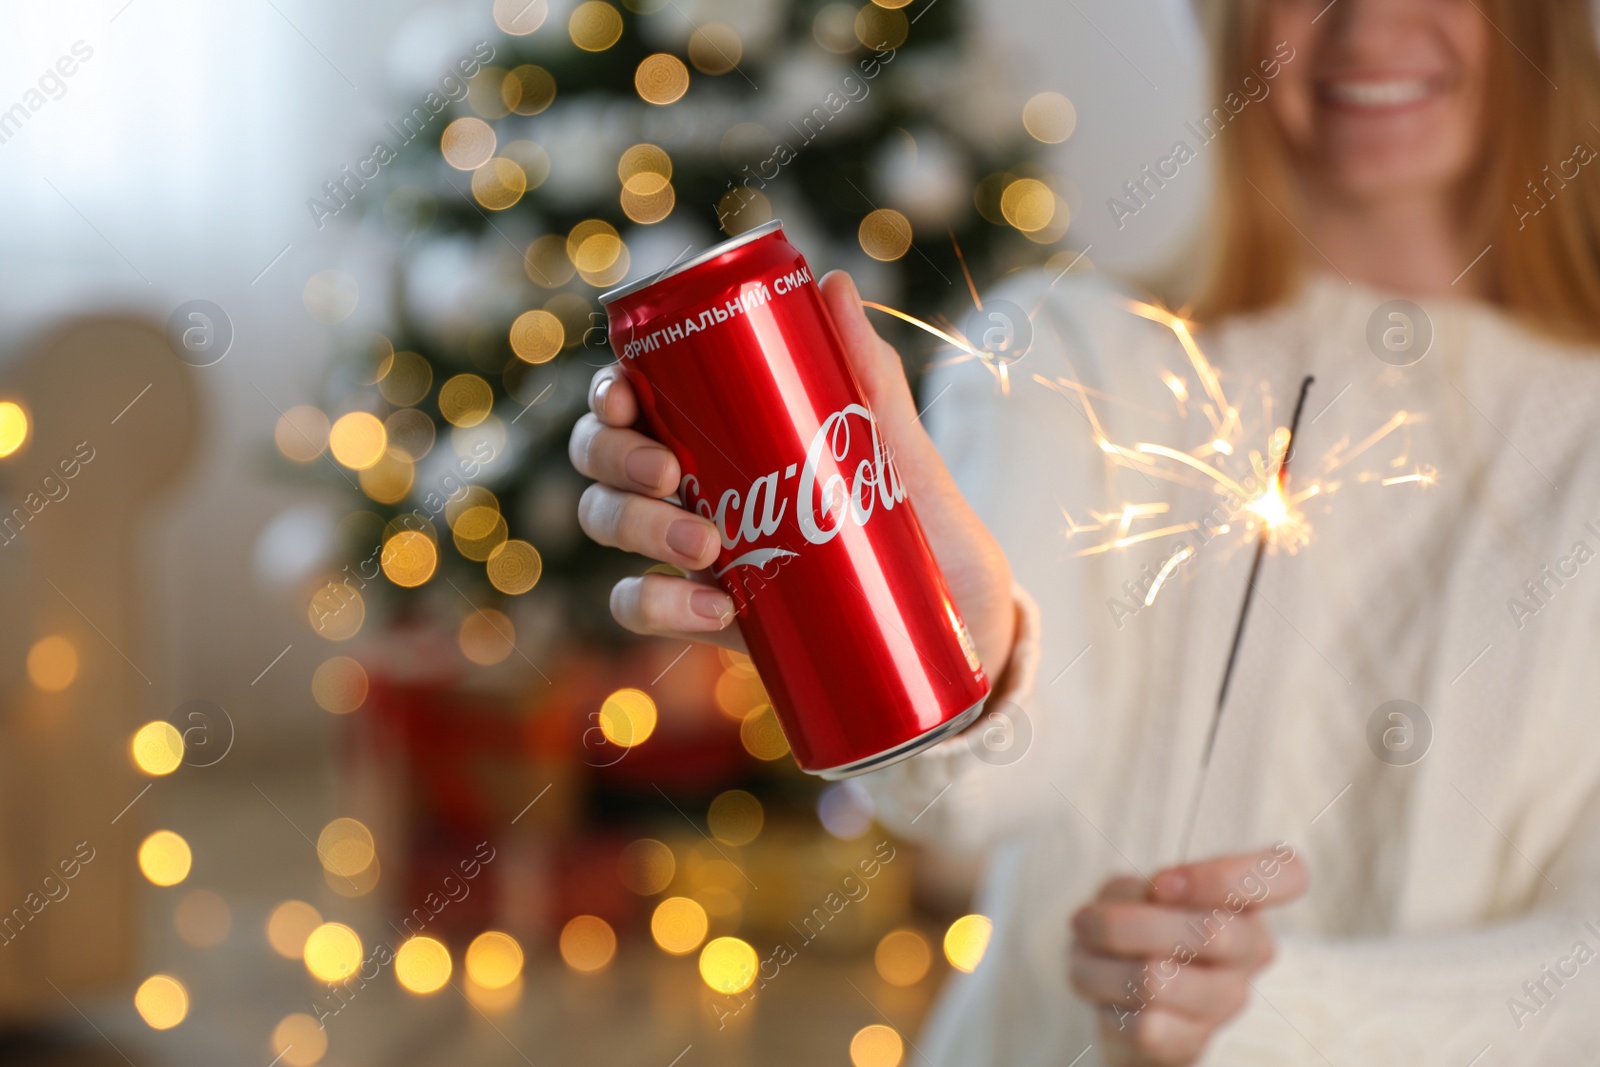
x=1253, y=499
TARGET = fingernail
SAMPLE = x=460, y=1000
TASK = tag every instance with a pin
x=1172, y=886
x=688, y=538
x=710, y=604
x=600, y=392
x=646, y=466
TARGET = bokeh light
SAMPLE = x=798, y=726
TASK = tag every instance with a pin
x=646, y=172
x=388, y=480
x=157, y=748
x=528, y=89
x=422, y=965
x=301, y=433
x=628, y=718
x=339, y=685
x=661, y=79
x=735, y=817
x=202, y=918
x=345, y=847
x=487, y=637
x=336, y=611
x=499, y=183
x=728, y=965
x=476, y=496
x=520, y=17
x=876, y=1046
x=595, y=25
x=332, y=952
x=411, y=434
x=52, y=663
x=966, y=940
x=834, y=28
x=1049, y=117
x=715, y=48
x=903, y=957
x=288, y=926
x=409, y=558
x=593, y=245
x=741, y=209
x=881, y=28
x=1028, y=204
x=588, y=943
x=357, y=440
x=465, y=400
x=467, y=143
x=739, y=691
x=494, y=960
x=162, y=1002
x=546, y=261
x=679, y=925
x=648, y=208
x=537, y=336
x=761, y=734
x=646, y=866
x=13, y=427
x=164, y=858
x=644, y=168
x=514, y=567
x=299, y=1041
x=885, y=234
x=615, y=255
x=408, y=379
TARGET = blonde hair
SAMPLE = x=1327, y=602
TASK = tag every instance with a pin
x=1543, y=270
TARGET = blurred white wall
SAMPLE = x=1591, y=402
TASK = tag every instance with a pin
x=176, y=161
x=175, y=164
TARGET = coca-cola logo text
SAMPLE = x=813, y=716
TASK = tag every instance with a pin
x=826, y=492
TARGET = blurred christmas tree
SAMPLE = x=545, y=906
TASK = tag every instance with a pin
x=575, y=149
x=595, y=144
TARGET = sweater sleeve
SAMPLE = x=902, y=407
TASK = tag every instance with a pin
x=1430, y=1000
x=949, y=793
x=1522, y=989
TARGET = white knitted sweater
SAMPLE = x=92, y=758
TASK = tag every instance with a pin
x=1438, y=889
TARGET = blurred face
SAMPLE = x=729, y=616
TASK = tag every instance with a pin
x=1384, y=98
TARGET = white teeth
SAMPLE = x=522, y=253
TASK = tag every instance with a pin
x=1377, y=94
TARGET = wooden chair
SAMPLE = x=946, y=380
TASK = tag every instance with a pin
x=114, y=416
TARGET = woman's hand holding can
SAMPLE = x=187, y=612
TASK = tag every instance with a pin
x=633, y=472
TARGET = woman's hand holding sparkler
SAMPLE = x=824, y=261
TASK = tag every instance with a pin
x=1168, y=961
x=633, y=472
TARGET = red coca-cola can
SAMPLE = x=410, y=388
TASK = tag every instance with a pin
x=739, y=371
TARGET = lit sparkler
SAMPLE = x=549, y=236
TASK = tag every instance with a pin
x=1274, y=512
x=1259, y=501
